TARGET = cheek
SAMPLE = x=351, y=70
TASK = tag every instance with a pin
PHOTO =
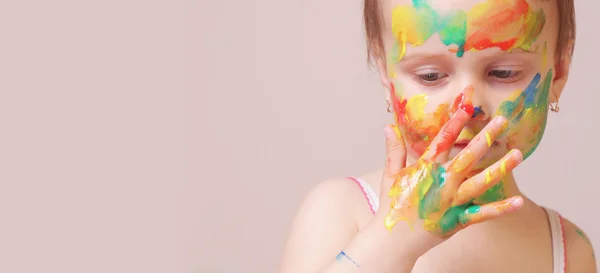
x=527, y=112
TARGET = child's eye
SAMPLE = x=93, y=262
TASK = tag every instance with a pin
x=505, y=75
x=430, y=78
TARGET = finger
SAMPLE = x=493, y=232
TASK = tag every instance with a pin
x=464, y=161
x=476, y=214
x=478, y=184
x=395, y=151
x=439, y=149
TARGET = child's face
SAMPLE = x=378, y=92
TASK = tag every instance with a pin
x=489, y=57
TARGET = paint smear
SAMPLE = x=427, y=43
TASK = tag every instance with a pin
x=527, y=109
x=420, y=127
x=587, y=239
x=417, y=194
x=506, y=24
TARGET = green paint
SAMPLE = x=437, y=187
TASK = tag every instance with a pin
x=529, y=109
x=584, y=236
x=473, y=209
x=486, y=25
x=493, y=194
x=455, y=31
x=451, y=219
x=431, y=200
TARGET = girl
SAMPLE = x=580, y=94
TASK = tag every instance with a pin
x=470, y=83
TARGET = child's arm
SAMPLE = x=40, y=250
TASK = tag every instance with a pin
x=325, y=224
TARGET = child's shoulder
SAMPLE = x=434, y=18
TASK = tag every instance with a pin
x=579, y=251
x=339, y=195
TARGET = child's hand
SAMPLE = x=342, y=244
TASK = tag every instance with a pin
x=431, y=196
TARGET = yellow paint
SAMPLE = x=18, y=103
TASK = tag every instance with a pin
x=488, y=176
x=503, y=168
x=397, y=130
x=545, y=56
x=488, y=139
x=462, y=161
x=415, y=106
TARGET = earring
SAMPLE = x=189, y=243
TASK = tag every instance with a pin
x=554, y=108
x=389, y=108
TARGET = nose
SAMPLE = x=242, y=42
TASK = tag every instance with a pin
x=472, y=102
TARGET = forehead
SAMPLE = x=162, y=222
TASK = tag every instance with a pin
x=472, y=23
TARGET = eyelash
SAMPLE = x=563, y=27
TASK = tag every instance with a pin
x=512, y=75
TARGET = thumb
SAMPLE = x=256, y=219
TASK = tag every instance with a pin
x=395, y=151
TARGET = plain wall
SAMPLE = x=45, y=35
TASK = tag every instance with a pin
x=163, y=136
x=282, y=99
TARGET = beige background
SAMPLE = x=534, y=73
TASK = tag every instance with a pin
x=162, y=136
x=286, y=101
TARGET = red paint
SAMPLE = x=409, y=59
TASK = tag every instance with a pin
x=495, y=23
x=450, y=133
x=463, y=101
x=399, y=106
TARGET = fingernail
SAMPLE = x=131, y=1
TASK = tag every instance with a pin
x=504, y=122
x=473, y=209
x=500, y=120
x=517, y=155
x=517, y=202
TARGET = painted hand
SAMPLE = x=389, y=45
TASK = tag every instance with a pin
x=433, y=193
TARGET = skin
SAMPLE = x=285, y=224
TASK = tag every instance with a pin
x=499, y=67
x=439, y=221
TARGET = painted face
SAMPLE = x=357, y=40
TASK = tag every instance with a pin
x=487, y=57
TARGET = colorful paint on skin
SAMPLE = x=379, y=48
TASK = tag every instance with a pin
x=488, y=139
x=417, y=190
x=420, y=127
x=463, y=101
x=493, y=194
x=506, y=24
x=342, y=255
x=408, y=193
x=462, y=161
x=587, y=239
x=527, y=109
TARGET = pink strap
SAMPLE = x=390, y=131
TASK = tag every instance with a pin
x=564, y=243
x=362, y=186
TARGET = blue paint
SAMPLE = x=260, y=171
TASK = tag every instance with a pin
x=476, y=111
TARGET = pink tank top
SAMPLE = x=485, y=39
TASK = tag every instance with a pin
x=559, y=254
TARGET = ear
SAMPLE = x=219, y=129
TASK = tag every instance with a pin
x=561, y=68
x=383, y=76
